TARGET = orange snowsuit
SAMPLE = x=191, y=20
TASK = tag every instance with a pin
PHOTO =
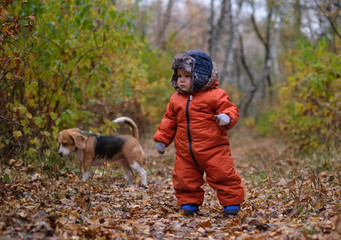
x=201, y=145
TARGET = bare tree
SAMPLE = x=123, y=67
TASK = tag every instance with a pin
x=211, y=28
x=273, y=24
x=331, y=11
x=276, y=10
x=231, y=46
x=244, y=105
x=277, y=27
x=297, y=17
x=216, y=29
x=329, y=15
x=163, y=25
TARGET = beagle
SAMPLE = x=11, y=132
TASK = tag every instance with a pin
x=94, y=150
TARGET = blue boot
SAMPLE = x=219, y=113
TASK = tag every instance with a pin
x=189, y=209
x=231, y=210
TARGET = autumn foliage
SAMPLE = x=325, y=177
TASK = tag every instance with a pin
x=81, y=63
x=285, y=197
x=70, y=65
x=309, y=110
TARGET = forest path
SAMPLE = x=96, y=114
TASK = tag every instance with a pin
x=284, y=199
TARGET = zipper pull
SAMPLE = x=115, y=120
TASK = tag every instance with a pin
x=190, y=97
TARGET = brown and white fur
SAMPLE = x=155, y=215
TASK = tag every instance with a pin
x=94, y=150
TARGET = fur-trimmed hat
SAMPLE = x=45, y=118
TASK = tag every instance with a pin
x=199, y=64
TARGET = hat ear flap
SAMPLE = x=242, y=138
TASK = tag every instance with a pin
x=184, y=62
x=79, y=139
x=174, y=79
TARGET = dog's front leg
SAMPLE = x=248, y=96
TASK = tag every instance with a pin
x=129, y=173
x=79, y=156
x=86, y=167
x=141, y=172
x=85, y=176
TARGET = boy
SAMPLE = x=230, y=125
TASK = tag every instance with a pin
x=197, y=118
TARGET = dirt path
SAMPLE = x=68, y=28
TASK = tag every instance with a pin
x=278, y=205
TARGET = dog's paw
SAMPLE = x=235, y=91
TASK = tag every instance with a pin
x=85, y=176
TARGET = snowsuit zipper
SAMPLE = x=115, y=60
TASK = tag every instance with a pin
x=189, y=132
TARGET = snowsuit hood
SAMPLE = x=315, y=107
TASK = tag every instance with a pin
x=204, y=71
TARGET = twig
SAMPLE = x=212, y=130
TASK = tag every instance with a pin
x=17, y=123
x=337, y=73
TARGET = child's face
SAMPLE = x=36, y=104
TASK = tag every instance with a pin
x=184, y=80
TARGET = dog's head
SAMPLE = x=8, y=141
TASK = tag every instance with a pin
x=70, y=140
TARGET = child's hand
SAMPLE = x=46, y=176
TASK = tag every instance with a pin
x=161, y=147
x=222, y=119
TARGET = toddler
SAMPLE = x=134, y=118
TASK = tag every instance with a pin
x=197, y=118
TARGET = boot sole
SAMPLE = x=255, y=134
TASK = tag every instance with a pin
x=231, y=212
x=187, y=212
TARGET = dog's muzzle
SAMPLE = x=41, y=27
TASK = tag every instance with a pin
x=63, y=151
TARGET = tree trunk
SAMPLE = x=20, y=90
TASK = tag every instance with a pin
x=230, y=50
x=161, y=34
x=266, y=76
x=211, y=29
x=330, y=11
x=216, y=31
x=244, y=105
x=273, y=48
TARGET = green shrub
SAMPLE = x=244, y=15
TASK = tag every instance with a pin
x=64, y=64
x=309, y=109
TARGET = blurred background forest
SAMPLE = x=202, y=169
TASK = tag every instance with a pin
x=82, y=63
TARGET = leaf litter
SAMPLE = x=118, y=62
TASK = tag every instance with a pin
x=285, y=198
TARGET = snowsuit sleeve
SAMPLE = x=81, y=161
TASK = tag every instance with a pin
x=225, y=106
x=167, y=129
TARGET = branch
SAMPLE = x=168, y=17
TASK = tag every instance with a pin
x=338, y=74
x=268, y=30
x=211, y=29
x=253, y=20
x=248, y=99
x=219, y=27
x=4, y=86
x=191, y=20
x=242, y=58
x=328, y=18
x=17, y=123
x=69, y=75
x=166, y=22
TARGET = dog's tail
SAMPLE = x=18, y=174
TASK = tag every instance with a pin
x=131, y=123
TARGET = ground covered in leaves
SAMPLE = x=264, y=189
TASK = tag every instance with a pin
x=286, y=197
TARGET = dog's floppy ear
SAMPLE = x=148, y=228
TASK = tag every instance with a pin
x=79, y=139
